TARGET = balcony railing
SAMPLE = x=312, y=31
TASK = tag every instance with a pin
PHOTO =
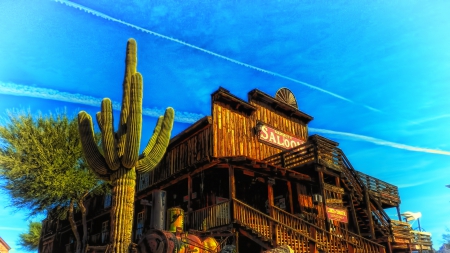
x=196, y=149
x=421, y=240
x=386, y=192
x=210, y=217
x=404, y=235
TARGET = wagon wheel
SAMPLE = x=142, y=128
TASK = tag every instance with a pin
x=286, y=96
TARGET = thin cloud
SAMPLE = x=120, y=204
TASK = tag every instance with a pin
x=381, y=142
x=12, y=229
x=51, y=94
x=424, y=120
x=104, y=16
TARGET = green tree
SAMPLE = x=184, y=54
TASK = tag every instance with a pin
x=30, y=240
x=120, y=157
x=42, y=166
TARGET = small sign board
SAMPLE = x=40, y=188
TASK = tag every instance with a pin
x=337, y=214
x=278, y=138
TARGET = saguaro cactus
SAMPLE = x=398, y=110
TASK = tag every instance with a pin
x=120, y=158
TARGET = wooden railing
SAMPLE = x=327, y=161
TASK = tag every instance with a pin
x=422, y=240
x=295, y=157
x=380, y=217
x=326, y=153
x=193, y=150
x=339, y=239
x=386, y=192
x=272, y=230
x=210, y=217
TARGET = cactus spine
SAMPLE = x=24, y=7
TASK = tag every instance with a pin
x=120, y=159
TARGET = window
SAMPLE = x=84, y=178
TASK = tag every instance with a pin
x=105, y=232
x=108, y=200
x=143, y=181
x=140, y=225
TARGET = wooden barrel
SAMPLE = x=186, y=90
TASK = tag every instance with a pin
x=211, y=245
x=174, y=219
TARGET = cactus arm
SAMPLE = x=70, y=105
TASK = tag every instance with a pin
x=152, y=140
x=130, y=69
x=134, y=123
x=93, y=156
x=108, y=140
x=98, y=116
x=156, y=154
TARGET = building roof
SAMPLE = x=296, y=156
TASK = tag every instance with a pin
x=4, y=243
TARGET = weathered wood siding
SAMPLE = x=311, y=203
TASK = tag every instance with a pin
x=192, y=150
x=234, y=134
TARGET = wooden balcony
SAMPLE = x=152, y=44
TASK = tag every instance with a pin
x=386, y=193
x=317, y=149
x=421, y=240
x=406, y=238
x=189, y=148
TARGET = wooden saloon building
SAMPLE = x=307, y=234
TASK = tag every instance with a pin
x=251, y=176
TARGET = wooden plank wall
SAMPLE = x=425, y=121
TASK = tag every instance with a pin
x=234, y=135
x=197, y=148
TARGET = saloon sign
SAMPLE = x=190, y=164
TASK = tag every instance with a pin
x=337, y=214
x=278, y=138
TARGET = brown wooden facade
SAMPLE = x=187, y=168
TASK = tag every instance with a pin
x=258, y=194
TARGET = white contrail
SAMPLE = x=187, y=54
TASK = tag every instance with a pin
x=102, y=15
x=376, y=141
x=182, y=117
x=12, y=229
x=51, y=94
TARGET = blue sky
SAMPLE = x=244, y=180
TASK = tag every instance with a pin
x=373, y=74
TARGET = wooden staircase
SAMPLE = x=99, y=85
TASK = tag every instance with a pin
x=286, y=229
x=363, y=194
x=369, y=211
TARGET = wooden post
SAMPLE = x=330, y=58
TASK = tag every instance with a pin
x=389, y=246
x=231, y=182
x=355, y=218
x=367, y=200
x=351, y=249
x=322, y=191
x=299, y=197
x=398, y=213
x=338, y=181
x=271, y=213
x=189, y=206
x=291, y=202
x=232, y=192
x=312, y=245
x=236, y=240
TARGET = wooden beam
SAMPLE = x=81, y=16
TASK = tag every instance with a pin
x=372, y=226
x=231, y=182
x=173, y=182
x=291, y=203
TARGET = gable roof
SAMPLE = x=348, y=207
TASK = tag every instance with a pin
x=4, y=243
